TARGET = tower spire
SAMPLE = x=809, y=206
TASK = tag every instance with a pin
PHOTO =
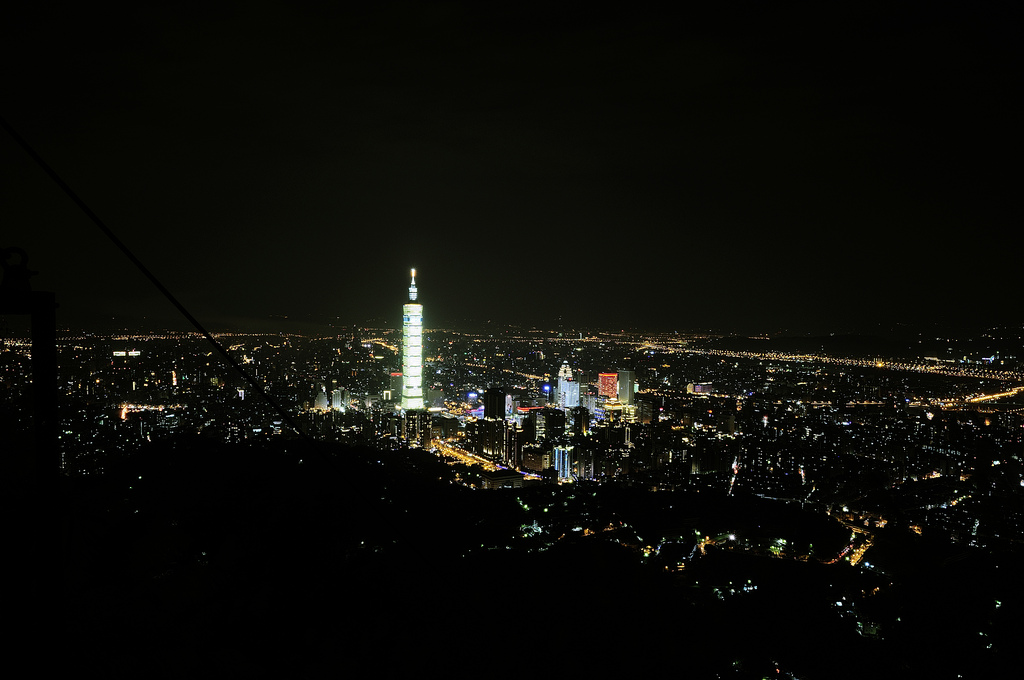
x=412, y=287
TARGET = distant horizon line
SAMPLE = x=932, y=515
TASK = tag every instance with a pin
x=255, y=326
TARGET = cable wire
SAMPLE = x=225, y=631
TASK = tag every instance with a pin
x=145, y=270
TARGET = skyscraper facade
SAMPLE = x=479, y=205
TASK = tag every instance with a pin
x=568, y=389
x=564, y=460
x=494, y=403
x=412, y=351
x=627, y=387
x=608, y=385
x=568, y=394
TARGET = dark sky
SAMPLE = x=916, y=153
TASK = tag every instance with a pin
x=609, y=165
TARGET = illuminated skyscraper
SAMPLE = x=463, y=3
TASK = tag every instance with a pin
x=412, y=351
x=608, y=385
x=568, y=389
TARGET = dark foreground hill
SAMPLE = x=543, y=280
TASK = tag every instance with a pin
x=193, y=559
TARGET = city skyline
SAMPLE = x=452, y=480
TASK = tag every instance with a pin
x=603, y=167
x=772, y=491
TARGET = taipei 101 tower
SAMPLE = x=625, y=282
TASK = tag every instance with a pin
x=412, y=351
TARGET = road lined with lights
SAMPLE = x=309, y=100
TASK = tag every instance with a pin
x=464, y=456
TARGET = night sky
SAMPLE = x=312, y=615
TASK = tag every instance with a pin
x=604, y=165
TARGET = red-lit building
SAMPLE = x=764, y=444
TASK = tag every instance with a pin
x=608, y=385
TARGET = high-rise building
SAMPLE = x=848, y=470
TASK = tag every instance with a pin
x=564, y=460
x=339, y=399
x=494, y=403
x=568, y=394
x=568, y=389
x=580, y=420
x=627, y=387
x=564, y=371
x=322, y=400
x=608, y=385
x=417, y=427
x=412, y=351
x=547, y=423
